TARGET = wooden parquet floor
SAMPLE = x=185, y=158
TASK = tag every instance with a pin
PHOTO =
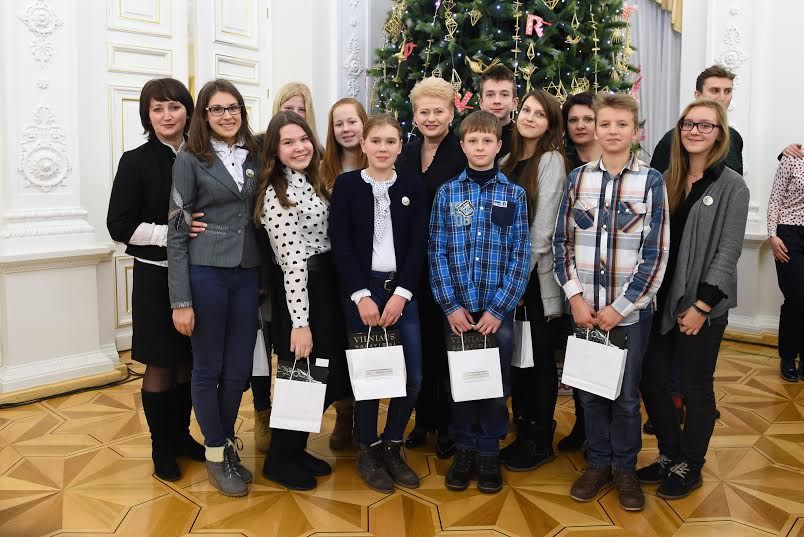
x=80, y=466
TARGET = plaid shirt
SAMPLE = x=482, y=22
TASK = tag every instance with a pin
x=612, y=237
x=479, y=248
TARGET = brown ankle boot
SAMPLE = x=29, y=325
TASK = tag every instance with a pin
x=341, y=437
x=262, y=432
x=590, y=484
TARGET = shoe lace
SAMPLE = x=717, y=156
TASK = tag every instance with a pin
x=487, y=464
x=463, y=460
x=229, y=463
x=663, y=461
x=680, y=470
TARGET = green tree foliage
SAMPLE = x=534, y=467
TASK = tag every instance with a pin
x=485, y=32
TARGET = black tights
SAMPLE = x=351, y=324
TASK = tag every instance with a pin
x=163, y=379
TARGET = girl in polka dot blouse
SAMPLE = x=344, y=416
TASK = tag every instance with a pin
x=293, y=206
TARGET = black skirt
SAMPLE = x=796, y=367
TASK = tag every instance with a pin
x=155, y=340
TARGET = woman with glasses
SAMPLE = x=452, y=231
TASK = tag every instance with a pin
x=708, y=210
x=213, y=277
x=137, y=217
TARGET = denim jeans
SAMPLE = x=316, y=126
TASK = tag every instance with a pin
x=480, y=425
x=400, y=408
x=225, y=307
x=614, y=428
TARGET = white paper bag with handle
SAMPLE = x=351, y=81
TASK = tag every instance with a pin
x=377, y=372
x=523, y=346
x=594, y=367
x=475, y=374
x=261, y=366
x=298, y=401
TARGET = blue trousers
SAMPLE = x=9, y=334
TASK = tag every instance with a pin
x=480, y=425
x=225, y=306
x=400, y=408
x=614, y=428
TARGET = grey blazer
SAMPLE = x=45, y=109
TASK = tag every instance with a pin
x=229, y=240
x=710, y=247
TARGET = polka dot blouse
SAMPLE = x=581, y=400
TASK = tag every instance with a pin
x=297, y=233
x=786, y=203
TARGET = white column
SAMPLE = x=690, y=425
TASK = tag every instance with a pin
x=52, y=263
x=753, y=40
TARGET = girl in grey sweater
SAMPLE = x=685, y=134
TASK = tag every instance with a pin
x=708, y=212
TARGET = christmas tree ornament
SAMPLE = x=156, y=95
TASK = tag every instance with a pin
x=452, y=26
x=405, y=50
x=456, y=80
x=579, y=85
x=617, y=35
x=516, y=37
x=448, y=5
x=462, y=104
x=551, y=3
x=478, y=65
x=573, y=40
x=437, y=73
x=576, y=23
x=427, y=53
x=474, y=16
x=536, y=24
x=531, y=51
x=628, y=10
x=528, y=71
x=557, y=90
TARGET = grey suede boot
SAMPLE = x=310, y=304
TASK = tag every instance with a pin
x=222, y=471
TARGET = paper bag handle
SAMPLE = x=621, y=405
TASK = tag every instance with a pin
x=294, y=367
x=608, y=332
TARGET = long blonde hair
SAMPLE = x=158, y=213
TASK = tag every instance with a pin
x=676, y=177
x=296, y=89
x=331, y=164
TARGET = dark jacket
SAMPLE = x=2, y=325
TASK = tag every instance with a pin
x=661, y=155
x=351, y=230
x=140, y=193
x=229, y=240
x=448, y=162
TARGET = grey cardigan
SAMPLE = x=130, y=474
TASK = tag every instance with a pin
x=710, y=247
x=229, y=240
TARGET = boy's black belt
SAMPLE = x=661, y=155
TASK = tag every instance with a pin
x=387, y=283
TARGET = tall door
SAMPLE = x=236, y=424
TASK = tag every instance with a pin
x=230, y=40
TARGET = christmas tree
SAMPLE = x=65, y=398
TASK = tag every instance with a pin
x=563, y=46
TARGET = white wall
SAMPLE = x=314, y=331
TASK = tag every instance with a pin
x=759, y=41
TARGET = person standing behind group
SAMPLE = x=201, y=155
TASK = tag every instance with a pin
x=536, y=163
x=213, y=277
x=378, y=231
x=292, y=206
x=436, y=157
x=498, y=96
x=786, y=239
x=296, y=97
x=138, y=217
x=613, y=217
x=708, y=211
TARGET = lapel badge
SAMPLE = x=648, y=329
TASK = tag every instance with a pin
x=708, y=200
x=405, y=201
x=249, y=173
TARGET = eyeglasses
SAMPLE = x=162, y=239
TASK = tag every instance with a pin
x=218, y=110
x=704, y=127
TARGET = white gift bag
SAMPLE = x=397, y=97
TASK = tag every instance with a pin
x=261, y=366
x=298, y=402
x=377, y=372
x=522, y=356
x=594, y=367
x=475, y=374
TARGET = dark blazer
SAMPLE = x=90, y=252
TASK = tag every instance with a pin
x=229, y=240
x=140, y=193
x=448, y=162
x=351, y=230
x=661, y=154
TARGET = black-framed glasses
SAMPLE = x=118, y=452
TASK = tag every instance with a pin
x=704, y=127
x=218, y=110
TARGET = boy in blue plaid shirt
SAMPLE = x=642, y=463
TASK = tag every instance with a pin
x=479, y=256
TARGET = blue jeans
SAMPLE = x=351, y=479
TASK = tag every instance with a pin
x=225, y=306
x=614, y=428
x=480, y=425
x=400, y=408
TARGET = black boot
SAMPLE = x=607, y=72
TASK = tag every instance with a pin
x=283, y=464
x=508, y=451
x=186, y=445
x=577, y=437
x=489, y=477
x=158, y=412
x=535, y=447
x=462, y=469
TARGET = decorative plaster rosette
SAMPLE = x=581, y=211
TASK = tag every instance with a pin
x=42, y=21
x=44, y=163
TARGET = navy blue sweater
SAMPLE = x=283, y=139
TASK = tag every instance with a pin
x=351, y=230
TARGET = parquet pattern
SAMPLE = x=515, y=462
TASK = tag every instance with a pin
x=80, y=465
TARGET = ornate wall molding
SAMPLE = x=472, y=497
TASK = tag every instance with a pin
x=44, y=163
x=732, y=56
x=353, y=68
x=42, y=21
x=46, y=222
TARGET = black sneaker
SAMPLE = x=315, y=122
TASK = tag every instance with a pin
x=461, y=470
x=489, y=478
x=682, y=479
x=654, y=473
x=787, y=368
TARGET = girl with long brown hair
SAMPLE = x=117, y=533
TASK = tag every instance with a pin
x=537, y=163
x=293, y=206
